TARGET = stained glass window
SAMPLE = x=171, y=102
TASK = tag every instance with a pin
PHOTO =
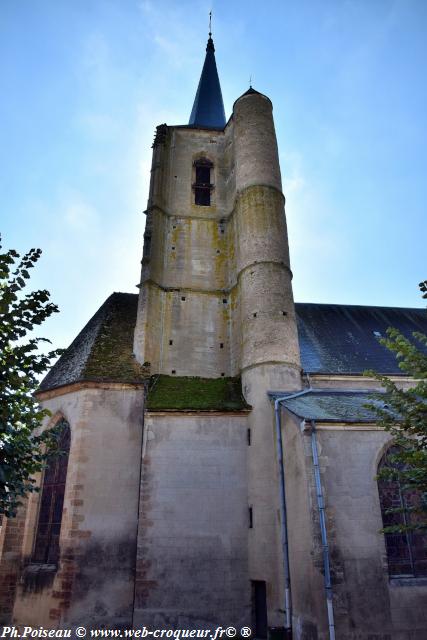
x=46, y=549
x=406, y=552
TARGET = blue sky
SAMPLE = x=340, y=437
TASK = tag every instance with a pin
x=85, y=82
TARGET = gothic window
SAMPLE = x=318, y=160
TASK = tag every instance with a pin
x=203, y=186
x=406, y=552
x=46, y=549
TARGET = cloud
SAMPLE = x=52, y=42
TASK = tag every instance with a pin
x=172, y=30
x=310, y=215
x=95, y=60
x=97, y=125
x=79, y=215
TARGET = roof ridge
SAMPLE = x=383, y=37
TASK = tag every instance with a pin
x=361, y=306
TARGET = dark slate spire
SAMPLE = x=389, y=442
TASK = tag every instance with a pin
x=208, y=107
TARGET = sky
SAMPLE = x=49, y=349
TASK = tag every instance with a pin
x=85, y=82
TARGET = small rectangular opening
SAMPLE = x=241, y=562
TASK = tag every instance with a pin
x=249, y=437
x=171, y=342
x=183, y=298
x=221, y=345
x=251, y=518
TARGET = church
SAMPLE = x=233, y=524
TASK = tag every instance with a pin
x=220, y=463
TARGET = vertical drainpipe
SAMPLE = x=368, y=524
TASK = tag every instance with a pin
x=283, y=510
x=283, y=516
x=144, y=405
x=325, y=547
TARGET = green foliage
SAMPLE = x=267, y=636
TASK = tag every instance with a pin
x=191, y=393
x=23, y=450
x=403, y=413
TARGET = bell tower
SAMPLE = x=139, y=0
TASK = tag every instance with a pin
x=215, y=293
x=216, y=302
x=183, y=325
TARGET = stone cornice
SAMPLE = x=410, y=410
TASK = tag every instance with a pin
x=86, y=384
x=224, y=216
x=196, y=413
x=215, y=292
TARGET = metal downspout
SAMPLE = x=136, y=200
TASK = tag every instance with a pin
x=283, y=516
x=321, y=506
x=144, y=405
x=283, y=510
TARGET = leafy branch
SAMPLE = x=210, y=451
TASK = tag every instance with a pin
x=24, y=449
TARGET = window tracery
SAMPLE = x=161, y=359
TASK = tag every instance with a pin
x=407, y=551
x=46, y=548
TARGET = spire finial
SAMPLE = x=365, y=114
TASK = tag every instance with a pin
x=250, y=81
x=210, y=45
x=208, y=107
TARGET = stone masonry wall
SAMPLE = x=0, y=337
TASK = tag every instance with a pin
x=193, y=538
x=368, y=605
x=93, y=583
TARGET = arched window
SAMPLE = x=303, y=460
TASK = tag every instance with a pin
x=406, y=552
x=46, y=548
x=203, y=182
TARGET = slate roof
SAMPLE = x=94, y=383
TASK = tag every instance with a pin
x=334, y=339
x=103, y=350
x=331, y=406
x=208, y=107
x=251, y=91
x=343, y=339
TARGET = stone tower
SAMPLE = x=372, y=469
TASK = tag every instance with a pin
x=216, y=302
x=215, y=273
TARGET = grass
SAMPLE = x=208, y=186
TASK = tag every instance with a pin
x=188, y=393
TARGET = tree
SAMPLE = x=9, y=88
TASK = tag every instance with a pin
x=403, y=413
x=24, y=450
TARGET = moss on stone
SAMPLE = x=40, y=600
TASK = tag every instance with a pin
x=112, y=356
x=190, y=393
x=103, y=350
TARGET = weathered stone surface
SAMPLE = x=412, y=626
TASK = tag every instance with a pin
x=193, y=534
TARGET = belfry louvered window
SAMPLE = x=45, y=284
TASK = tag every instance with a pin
x=46, y=548
x=203, y=186
x=406, y=552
